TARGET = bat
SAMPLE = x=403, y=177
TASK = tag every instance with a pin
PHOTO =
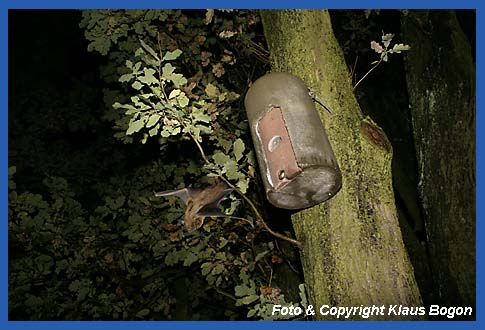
x=201, y=203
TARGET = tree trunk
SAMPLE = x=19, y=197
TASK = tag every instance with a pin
x=441, y=87
x=352, y=253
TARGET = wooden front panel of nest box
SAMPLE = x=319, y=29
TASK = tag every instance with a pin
x=280, y=160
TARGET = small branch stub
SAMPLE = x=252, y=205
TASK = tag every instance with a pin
x=375, y=135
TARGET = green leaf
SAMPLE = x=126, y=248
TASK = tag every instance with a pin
x=260, y=255
x=201, y=117
x=206, y=268
x=153, y=120
x=150, y=15
x=243, y=290
x=176, y=131
x=137, y=85
x=126, y=77
x=242, y=185
x=148, y=78
x=172, y=257
x=137, y=66
x=387, y=37
x=174, y=93
x=238, y=149
x=221, y=159
x=172, y=55
x=227, y=34
x=183, y=101
x=398, y=48
x=211, y=90
x=149, y=50
x=167, y=71
x=83, y=292
x=226, y=144
x=222, y=97
x=75, y=285
x=232, y=172
x=118, y=105
x=143, y=312
x=250, y=157
x=101, y=44
x=190, y=259
x=146, y=96
x=251, y=313
x=249, y=299
x=115, y=204
x=12, y=170
x=135, y=126
x=154, y=130
x=218, y=269
x=221, y=256
x=223, y=242
x=178, y=79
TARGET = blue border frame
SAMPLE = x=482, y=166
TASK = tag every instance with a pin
x=254, y=4
x=343, y=4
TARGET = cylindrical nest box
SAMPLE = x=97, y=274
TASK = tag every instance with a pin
x=296, y=160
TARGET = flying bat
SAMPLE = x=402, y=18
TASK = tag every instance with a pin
x=201, y=203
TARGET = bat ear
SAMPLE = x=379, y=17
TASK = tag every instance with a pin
x=184, y=194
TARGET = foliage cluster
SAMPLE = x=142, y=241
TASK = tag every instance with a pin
x=173, y=80
x=384, y=51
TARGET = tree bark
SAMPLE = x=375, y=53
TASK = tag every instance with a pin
x=441, y=86
x=352, y=253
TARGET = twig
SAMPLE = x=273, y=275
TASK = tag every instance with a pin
x=353, y=73
x=371, y=69
x=260, y=218
x=200, y=148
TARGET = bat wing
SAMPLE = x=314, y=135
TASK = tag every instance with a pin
x=212, y=210
x=184, y=194
x=210, y=199
x=216, y=199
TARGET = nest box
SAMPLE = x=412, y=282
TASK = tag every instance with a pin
x=297, y=164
